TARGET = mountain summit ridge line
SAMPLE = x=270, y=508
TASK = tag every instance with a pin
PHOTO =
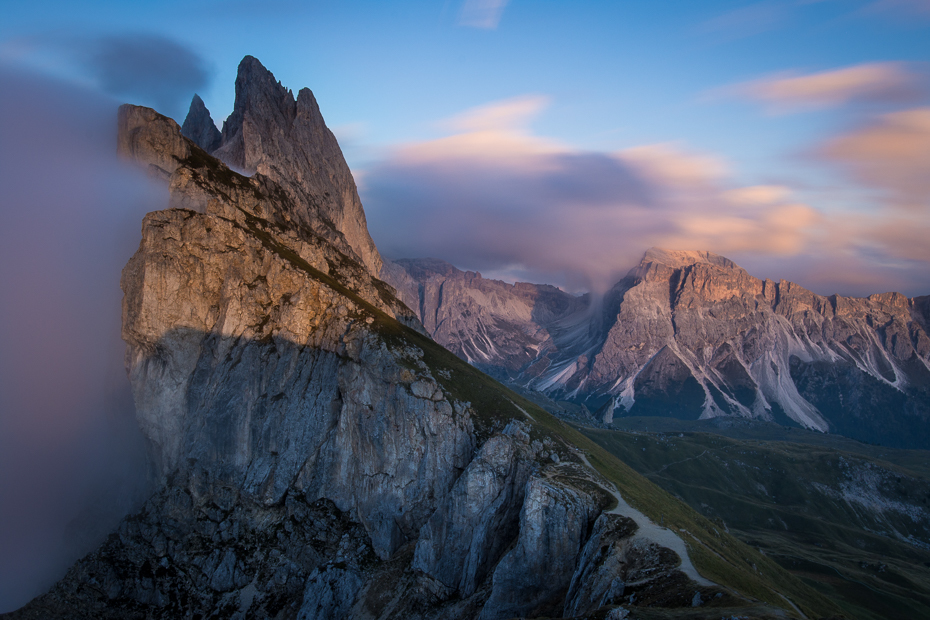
x=691, y=334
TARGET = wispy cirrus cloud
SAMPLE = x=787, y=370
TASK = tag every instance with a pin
x=890, y=153
x=482, y=13
x=869, y=82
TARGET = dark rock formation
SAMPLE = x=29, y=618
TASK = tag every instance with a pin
x=200, y=128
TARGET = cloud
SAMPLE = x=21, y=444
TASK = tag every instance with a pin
x=891, y=153
x=665, y=163
x=142, y=68
x=496, y=198
x=491, y=135
x=481, y=13
x=69, y=445
x=747, y=21
x=510, y=115
x=149, y=67
x=877, y=82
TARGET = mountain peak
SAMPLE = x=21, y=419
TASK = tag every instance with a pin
x=685, y=258
x=285, y=139
x=199, y=126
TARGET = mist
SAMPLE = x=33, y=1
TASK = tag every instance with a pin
x=147, y=68
x=72, y=460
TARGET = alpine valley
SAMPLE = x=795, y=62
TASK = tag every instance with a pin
x=317, y=452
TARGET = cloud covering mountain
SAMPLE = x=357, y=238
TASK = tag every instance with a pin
x=491, y=195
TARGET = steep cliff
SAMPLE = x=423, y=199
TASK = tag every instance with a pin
x=318, y=456
x=691, y=334
x=499, y=327
x=286, y=140
x=200, y=128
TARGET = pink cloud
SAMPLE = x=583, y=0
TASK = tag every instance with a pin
x=495, y=197
x=888, y=81
x=891, y=153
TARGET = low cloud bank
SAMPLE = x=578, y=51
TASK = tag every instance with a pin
x=145, y=68
x=71, y=455
x=491, y=196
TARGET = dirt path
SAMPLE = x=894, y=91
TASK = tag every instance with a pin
x=648, y=530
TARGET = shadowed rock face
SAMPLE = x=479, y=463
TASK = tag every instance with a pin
x=315, y=455
x=691, y=334
x=199, y=127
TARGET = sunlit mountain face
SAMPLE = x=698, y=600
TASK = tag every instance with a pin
x=573, y=146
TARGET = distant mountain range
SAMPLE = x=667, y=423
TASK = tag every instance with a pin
x=690, y=334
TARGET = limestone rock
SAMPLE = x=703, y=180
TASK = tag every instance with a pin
x=468, y=533
x=271, y=133
x=221, y=319
x=601, y=576
x=330, y=593
x=199, y=126
x=690, y=334
x=533, y=578
x=150, y=139
x=499, y=327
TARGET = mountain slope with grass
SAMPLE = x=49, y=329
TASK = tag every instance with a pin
x=319, y=456
x=853, y=521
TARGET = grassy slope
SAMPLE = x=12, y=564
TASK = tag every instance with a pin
x=765, y=492
x=717, y=555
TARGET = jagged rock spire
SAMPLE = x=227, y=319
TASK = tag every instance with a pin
x=199, y=126
x=271, y=133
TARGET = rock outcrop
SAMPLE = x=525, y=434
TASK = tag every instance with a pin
x=200, y=128
x=499, y=327
x=317, y=455
x=286, y=140
x=693, y=335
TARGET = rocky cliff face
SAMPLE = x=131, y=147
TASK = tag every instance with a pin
x=199, y=126
x=691, y=334
x=286, y=140
x=499, y=327
x=318, y=456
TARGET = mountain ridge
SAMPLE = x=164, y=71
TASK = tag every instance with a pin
x=319, y=456
x=286, y=139
x=691, y=334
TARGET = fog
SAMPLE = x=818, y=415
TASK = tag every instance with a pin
x=71, y=456
x=145, y=68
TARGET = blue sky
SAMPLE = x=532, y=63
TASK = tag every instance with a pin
x=657, y=86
